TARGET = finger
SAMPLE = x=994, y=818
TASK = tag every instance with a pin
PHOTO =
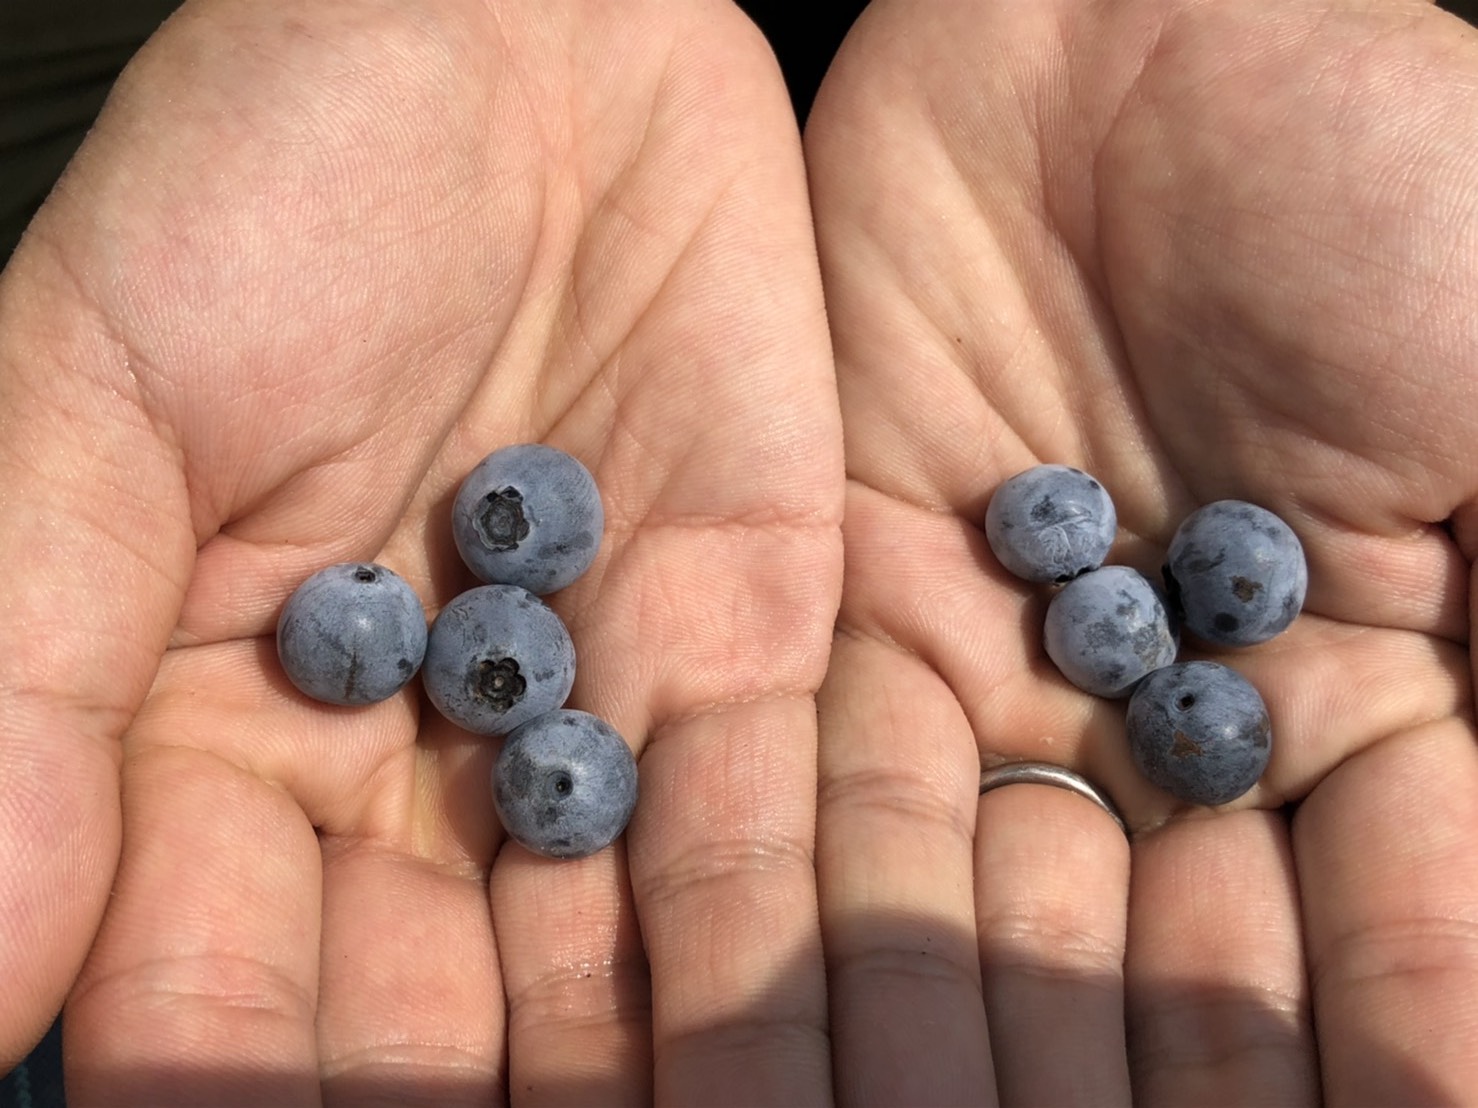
x=410, y=1003
x=948, y=600
x=704, y=636
x=407, y=835
x=1387, y=870
x=1051, y=898
x=722, y=869
x=899, y=777
x=1333, y=689
x=579, y=989
x=1010, y=690
x=342, y=766
x=95, y=538
x=202, y=986
x=1218, y=1000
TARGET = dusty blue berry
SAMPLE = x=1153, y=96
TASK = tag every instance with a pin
x=530, y=516
x=565, y=784
x=1236, y=572
x=1050, y=523
x=1108, y=628
x=352, y=634
x=497, y=657
x=1199, y=731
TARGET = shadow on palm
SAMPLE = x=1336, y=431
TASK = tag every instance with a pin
x=1202, y=251
x=1199, y=274
x=318, y=265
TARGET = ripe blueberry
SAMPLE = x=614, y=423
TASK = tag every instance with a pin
x=352, y=634
x=497, y=657
x=1199, y=731
x=1236, y=572
x=530, y=516
x=1050, y=523
x=565, y=784
x=1108, y=628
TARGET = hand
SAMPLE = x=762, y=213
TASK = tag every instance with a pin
x=1203, y=251
x=314, y=262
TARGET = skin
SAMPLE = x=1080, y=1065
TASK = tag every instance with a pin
x=316, y=260
x=1198, y=249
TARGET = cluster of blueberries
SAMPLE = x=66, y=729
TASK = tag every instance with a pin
x=1235, y=575
x=497, y=660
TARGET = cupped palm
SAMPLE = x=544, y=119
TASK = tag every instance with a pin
x=313, y=264
x=1203, y=251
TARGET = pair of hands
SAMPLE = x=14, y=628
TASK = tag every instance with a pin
x=316, y=260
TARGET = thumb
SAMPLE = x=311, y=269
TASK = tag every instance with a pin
x=95, y=552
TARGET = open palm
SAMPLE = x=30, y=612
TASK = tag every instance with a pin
x=314, y=263
x=1203, y=251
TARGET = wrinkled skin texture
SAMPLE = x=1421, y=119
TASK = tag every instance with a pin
x=1199, y=250
x=1050, y=524
x=314, y=263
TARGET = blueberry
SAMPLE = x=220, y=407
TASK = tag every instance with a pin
x=530, y=516
x=1107, y=629
x=1236, y=572
x=497, y=657
x=564, y=784
x=352, y=634
x=1050, y=523
x=1199, y=731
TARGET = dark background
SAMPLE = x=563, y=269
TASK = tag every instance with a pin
x=58, y=58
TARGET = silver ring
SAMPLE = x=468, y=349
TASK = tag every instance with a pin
x=1044, y=773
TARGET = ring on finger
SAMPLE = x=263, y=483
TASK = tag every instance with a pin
x=1044, y=773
